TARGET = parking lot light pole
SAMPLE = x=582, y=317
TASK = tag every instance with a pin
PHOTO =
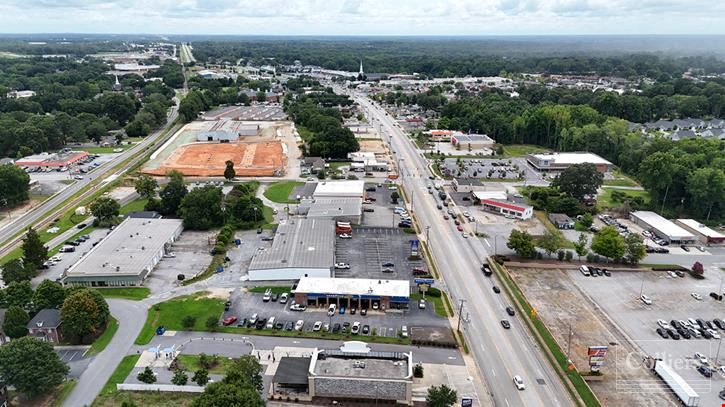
x=460, y=314
x=641, y=286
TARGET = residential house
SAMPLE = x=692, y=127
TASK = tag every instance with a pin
x=45, y=326
x=311, y=165
x=561, y=221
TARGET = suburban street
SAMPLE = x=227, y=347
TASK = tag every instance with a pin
x=500, y=353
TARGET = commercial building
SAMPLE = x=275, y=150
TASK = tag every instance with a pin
x=127, y=255
x=358, y=292
x=338, y=209
x=479, y=196
x=562, y=161
x=45, y=326
x=218, y=135
x=311, y=165
x=301, y=248
x=472, y=141
x=516, y=210
x=701, y=232
x=366, y=162
x=661, y=227
x=440, y=135
x=561, y=221
x=352, y=373
x=467, y=184
x=52, y=160
x=20, y=94
x=340, y=189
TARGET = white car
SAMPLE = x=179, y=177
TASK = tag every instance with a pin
x=672, y=274
x=345, y=236
x=713, y=333
x=701, y=358
x=696, y=296
x=317, y=326
x=326, y=327
x=700, y=248
x=663, y=324
x=645, y=299
x=693, y=323
x=299, y=325
x=342, y=266
x=404, y=331
x=693, y=331
x=355, y=328
x=297, y=307
x=519, y=382
x=465, y=235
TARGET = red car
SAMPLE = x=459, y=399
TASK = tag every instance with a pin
x=460, y=228
x=445, y=217
x=418, y=271
x=457, y=222
x=229, y=320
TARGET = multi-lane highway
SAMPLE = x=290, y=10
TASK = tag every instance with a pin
x=43, y=214
x=499, y=353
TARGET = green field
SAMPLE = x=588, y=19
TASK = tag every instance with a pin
x=170, y=313
x=191, y=364
x=119, y=375
x=280, y=191
x=605, y=201
x=440, y=308
x=106, y=150
x=275, y=289
x=100, y=344
x=125, y=293
x=520, y=150
x=133, y=206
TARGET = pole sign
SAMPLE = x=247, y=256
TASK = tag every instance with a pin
x=428, y=281
x=466, y=401
x=596, y=357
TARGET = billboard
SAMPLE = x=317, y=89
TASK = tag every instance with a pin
x=466, y=401
x=596, y=357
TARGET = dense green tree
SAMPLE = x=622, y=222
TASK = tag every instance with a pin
x=15, y=270
x=201, y=208
x=580, y=246
x=48, y=294
x=579, y=180
x=31, y=366
x=83, y=316
x=608, y=243
x=223, y=394
x=441, y=396
x=137, y=128
x=172, y=194
x=522, y=243
x=16, y=322
x=118, y=107
x=656, y=173
x=35, y=253
x=188, y=322
x=706, y=186
x=550, y=242
x=146, y=186
x=635, y=248
x=14, y=183
x=19, y=294
x=201, y=377
x=245, y=371
x=229, y=172
x=394, y=196
x=180, y=378
x=146, y=376
x=105, y=209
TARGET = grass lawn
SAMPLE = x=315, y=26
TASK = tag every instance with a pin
x=275, y=289
x=63, y=391
x=520, y=150
x=440, y=308
x=191, y=364
x=605, y=201
x=133, y=206
x=280, y=191
x=126, y=293
x=336, y=165
x=145, y=398
x=106, y=150
x=541, y=216
x=119, y=375
x=100, y=344
x=170, y=313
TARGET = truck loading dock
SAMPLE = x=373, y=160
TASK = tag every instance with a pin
x=353, y=292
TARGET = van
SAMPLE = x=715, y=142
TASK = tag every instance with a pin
x=585, y=270
x=270, y=323
x=331, y=309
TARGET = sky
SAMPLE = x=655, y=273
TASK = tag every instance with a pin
x=364, y=17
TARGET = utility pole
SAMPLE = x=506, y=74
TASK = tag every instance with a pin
x=568, y=344
x=460, y=314
x=717, y=356
x=641, y=286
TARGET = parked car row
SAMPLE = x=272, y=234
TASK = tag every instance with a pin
x=690, y=329
x=257, y=322
x=594, y=271
x=610, y=221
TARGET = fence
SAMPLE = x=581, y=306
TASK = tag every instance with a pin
x=159, y=387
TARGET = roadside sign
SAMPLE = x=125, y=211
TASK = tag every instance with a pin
x=466, y=401
x=596, y=357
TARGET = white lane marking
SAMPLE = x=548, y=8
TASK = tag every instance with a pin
x=507, y=401
x=486, y=240
x=482, y=348
x=493, y=371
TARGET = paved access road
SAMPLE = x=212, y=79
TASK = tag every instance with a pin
x=500, y=354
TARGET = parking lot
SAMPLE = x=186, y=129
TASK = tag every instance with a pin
x=76, y=360
x=513, y=169
x=245, y=304
x=671, y=300
x=65, y=260
x=192, y=256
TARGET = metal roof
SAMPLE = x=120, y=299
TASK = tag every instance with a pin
x=354, y=286
x=663, y=225
x=331, y=207
x=299, y=243
x=572, y=158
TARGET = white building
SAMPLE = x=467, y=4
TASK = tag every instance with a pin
x=340, y=189
x=562, y=161
x=702, y=232
x=661, y=227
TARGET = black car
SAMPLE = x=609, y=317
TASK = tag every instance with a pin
x=371, y=189
x=661, y=332
x=404, y=224
x=81, y=226
x=673, y=334
x=242, y=323
x=261, y=322
x=676, y=324
x=719, y=323
x=368, y=210
x=496, y=289
x=365, y=329
x=701, y=322
x=353, y=310
x=278, y=325
x=336, y=328
x=289, y=325
x=227, y=305
x=510, y=311
x=606, y=272
x=706, y=334
x=704, y=370
x=685, y=248
x=709, y=325
x=683, y=333
x=388, y=264
x=275, y=297
x=72, y=243
x=505, y=324
x=345, y=327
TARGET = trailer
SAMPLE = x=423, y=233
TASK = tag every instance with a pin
x=677, y=384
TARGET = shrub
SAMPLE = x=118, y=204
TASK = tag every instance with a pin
x=569, y=255
x=433, y=292
x=147, y=376
x=180, y=378
x=560, y=255
x=418, y=370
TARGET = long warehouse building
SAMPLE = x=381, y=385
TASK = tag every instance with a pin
x=662, y=227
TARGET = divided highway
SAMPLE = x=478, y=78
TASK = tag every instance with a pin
x=499, y=353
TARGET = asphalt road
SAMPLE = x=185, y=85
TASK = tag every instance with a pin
x=500, y=354
x=131, y=316
x=43, y=212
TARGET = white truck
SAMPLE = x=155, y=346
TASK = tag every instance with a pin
x=679, y=386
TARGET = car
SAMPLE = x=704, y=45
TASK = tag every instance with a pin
x=404, y=224
x=684, y=333
x=331, y=309
x=388, y=264
x=297, y=307
x=675, y=324
x=355, y=328
x=344, y=236
x=363, y=311
x=369, y=210
x=673, y=334
x=693, y=323
x=700, y=248
x=274, y=297
x=229, y=320
x=342, y=311
x=366, y=329
x=701, y=323
x=713, y=333
x=326, y=327
x=606, y=272
x=701, y=358
x=704, y=370
x=585, y=270
x=72, y=243
x=299, y=325
x=421, y=304
x=261, y=322
x=289, y=325
x=446, y=217
x=672, y=274
x=317, y=326
x=519, y=382
x=227, y=305
x=496, y=290
x=465, y=235
x=645, y=299
x=267, y=295
x=693, y=332
x=457, y=222
x=505, y=324
x=706, y=334
x=342, y=266
x=242, y=323
x=336, y=328
x=353, y=310
x=404, y=331
x=459, y=228
x=680, y=273
x=662, y=323
x=661, y=332
x=696, y=296
x=376, y=305
x=252, y=320
x=345, y=327
x=283, y=298
x=685, y=248
x=510, y=311
x=719, y=323
x=278, y=325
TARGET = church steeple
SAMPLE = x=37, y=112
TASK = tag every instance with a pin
x=361, y=74
x=117, y=86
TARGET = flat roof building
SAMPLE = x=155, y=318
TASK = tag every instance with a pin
x=562, y=161
x=509, y=209
x=218, y=135
x=702, y=232
x=342, y=209
x=127, y=255
x=467, y=184
x=301, y=248
x=54, y=160
x=340, y=189
x=661, y=227
x=472, y=141
x=359, y=292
